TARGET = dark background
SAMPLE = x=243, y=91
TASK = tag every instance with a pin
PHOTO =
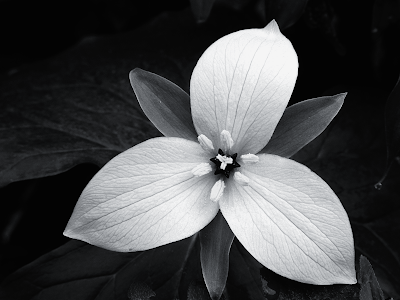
x=342, y=45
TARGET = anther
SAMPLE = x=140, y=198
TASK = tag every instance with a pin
x=217, y=190
x=241, y=179
x=205, y=143
x=201, y=169
x=249, y=158
x=226, y=140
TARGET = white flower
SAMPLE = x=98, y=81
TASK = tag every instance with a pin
x=167, y=189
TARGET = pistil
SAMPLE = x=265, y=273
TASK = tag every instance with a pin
x=224, y=163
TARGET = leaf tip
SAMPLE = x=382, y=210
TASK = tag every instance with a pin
x=133, y=74
x=341, y=96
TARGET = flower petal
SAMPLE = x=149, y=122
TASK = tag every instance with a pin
x=145, y=197
x=165, y=104
x=242, y=84
x=291, y=221
x=301, y=123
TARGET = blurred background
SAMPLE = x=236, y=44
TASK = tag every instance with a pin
x=64, y=65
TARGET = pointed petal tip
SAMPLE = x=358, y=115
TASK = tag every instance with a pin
x=66, y=233
x=347, y=280
x=272, y=27
x=69, y=232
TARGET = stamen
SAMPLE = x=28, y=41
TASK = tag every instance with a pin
x=241, y=179
x=249, y=158
x=201, y=169
x=217, y=190
x=205, y=143
x=226, y=140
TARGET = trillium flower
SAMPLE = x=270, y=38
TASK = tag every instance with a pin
x=226, y=150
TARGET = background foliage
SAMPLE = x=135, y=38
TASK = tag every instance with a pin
x=66, y=108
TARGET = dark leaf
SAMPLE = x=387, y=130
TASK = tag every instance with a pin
x=301, y=123
x=165, y=104
x=370, y=289
x=385, y=50
x=80, y=271
x=285, y=12
x=201, y=9
x=292, y=290
x=244, y=279
x=215, y=240
x=198, y=292
x=378, y=239
x=392, y=128
x=349, y=155
x=320, y=15
x=79, y=107
x=140, y=291
x=191, y=274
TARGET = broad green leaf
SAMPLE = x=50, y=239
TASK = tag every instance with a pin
x=301, y=123
x=215, y=240
x=370, y=289
x=165, y=104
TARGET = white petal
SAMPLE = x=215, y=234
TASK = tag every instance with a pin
x=201, y=169
x=291, y=221
x=145, y=197
x=242, y=83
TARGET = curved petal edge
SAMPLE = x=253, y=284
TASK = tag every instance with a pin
x=290, y=220
x=145, y=197
x=242, y=84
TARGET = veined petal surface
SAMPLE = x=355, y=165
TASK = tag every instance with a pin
x=165, y=104
x=291, y=221
x=145, y=197
x=242, y=84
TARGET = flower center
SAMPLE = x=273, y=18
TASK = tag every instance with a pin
x=224, y=163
